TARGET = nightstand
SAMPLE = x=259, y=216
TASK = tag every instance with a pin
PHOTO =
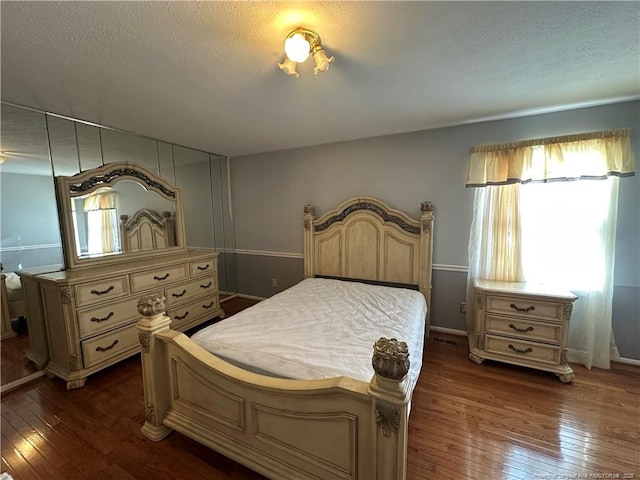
x=522, y=324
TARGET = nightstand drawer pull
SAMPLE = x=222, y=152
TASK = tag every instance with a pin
x=203, y=268
x=103, y=319
x=98, y=292
x=178, y=317
x=208, y=306
x=104, y=349
x=530, y=308
x=178, y=295
x=522, y=330
x=207, y=285
x=528, y=350
x=164, y=277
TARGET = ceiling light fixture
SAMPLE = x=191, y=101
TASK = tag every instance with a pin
x=298, y=45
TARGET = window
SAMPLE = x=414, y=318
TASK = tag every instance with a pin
x=545, y=211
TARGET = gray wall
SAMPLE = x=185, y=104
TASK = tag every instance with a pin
x=269, y=191
x=29, y=231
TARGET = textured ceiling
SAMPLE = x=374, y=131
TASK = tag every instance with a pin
x=205, y=75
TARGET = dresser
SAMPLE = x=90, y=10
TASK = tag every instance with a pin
x=522, y=324
x=90, y=314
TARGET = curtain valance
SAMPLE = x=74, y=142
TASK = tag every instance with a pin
x=586, y=156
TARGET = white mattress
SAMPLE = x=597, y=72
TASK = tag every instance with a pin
x=320, y=328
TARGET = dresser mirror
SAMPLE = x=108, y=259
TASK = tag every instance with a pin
x=117, y=213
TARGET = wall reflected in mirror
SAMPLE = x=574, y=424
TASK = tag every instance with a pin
x=37, y=147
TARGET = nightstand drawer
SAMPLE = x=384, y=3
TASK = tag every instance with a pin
x=522, y=349
x=154, y=278
x=109, y=345
x=524, y=328
x=525, y=307
x=203, y=267
x=180, y=293
x=94, y=292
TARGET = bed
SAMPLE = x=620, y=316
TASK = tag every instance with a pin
x=146, y=230
x=12, y=299
x=340, y=420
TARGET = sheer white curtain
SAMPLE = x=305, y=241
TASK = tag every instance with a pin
x=102, y=223
x=528, y=226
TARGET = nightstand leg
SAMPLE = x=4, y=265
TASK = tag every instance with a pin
x=566, y=377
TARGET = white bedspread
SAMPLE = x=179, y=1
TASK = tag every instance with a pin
x=320, y=328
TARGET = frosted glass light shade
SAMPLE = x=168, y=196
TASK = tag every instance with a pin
x=322, y=62
x=297, y=48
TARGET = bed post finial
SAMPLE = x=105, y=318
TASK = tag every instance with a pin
x=390, y=393
x=391, y=358
x=426, y=207
x=156, y=396
x=309, y=217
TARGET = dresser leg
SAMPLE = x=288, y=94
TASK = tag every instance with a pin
x=475, y=358
x=566, y=377
x=79, y=383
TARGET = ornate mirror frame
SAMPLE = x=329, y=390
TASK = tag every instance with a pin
x=88, y=182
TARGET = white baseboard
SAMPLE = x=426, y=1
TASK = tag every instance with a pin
x=228, y=296
x=250, y=297
x=626, y=361
x=449, y=331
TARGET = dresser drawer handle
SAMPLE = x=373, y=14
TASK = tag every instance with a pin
x=161, y=278
x=203, y=268
x=178, y=295
x=528, y=350
x=530, y=308
x=206, y=286
x=104, y=349
x=208, y=306
x=178, y=317
x=103, y=319
x=98, y=292
x=522, y=330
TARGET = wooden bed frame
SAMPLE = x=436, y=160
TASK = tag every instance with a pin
x=146, y=230
x=337, y=428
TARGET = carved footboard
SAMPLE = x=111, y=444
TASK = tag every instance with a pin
x=337, y=428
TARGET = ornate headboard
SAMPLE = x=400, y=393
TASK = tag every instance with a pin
x=365, y=239
x=146, y=230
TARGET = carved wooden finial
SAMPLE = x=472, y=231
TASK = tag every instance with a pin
x=426, y=207
x=391, y=358
x=151, y=305
x=308, y=208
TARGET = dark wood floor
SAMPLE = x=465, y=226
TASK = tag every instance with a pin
x=487, y=421
x=13, y=364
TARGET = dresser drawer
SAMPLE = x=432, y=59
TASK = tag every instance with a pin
x=95, y=320
x=109, y=345
x=525, y=307
x=203, y=267
x=155, y=278
x=91, y=293
x=180, y=293
x=182, y=317
x=522, y=349
x=524, y=328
